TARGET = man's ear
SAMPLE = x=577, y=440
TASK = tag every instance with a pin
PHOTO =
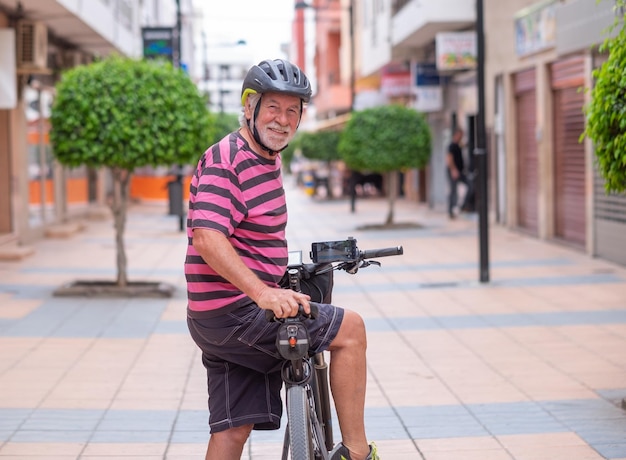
x=247, y=109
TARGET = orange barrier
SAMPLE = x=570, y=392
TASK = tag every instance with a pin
x=76, y=190
x=154, y=187
x=34, y=191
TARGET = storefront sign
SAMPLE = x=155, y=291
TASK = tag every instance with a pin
x=456, y=50
x=158, y=42
x=395, y=80
x=535, y=28
x=428, y=98
x=427, y=89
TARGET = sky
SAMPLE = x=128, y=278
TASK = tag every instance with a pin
x=264, y=24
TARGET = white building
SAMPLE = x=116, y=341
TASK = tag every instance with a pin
x=38, y=40
x=227, y=65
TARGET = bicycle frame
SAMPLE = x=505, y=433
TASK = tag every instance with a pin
x=309, y=433
x=310, y=374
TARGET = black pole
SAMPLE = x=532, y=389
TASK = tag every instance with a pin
x=352, y=97
x=177, y=64
x=352, y=58
x=481, y=150
x=177, y=48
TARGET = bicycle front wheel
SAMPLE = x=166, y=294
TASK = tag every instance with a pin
x=299, y=426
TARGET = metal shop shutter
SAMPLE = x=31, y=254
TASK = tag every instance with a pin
x=527, y=157
x=609, y=214
x=569, y=154
x=609, y=222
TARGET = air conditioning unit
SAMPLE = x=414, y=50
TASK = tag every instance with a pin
x=32, y=45
x=72, y=58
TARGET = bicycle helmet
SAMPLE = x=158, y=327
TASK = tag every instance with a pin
x=279, y=76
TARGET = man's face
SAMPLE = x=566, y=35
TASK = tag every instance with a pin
x=277, y=120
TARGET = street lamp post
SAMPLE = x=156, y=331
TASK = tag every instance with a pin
x=352, y=58
x=177, y=187
x=481, y=150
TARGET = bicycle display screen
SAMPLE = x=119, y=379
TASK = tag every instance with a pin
x=334, y=251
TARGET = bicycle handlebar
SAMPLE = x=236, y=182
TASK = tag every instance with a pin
x=383, y=252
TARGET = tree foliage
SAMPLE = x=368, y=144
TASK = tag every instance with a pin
x=123, y=114
x=225, y=123
x=287, y=155
x=386, y=138
x=320, y=145
x=606, y=112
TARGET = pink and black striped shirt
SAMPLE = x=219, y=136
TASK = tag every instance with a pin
x=240, y=194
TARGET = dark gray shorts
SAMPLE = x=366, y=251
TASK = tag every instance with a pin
x=243, y=365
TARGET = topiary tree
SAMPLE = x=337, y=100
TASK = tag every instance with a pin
x=225, y=123
x=122, y=114
x=322, y=146
x=606, y=112
x=386, y=139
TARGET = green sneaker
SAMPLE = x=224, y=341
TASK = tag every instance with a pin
x=341, y=453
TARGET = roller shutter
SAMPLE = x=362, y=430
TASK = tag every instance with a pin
x=527, y=156
x=569, y=153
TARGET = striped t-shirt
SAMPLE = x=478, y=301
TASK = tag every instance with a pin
x=240, y=194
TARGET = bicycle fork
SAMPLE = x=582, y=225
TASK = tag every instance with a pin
x=322, y=397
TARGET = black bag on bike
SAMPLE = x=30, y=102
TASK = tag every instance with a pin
x=317, y=285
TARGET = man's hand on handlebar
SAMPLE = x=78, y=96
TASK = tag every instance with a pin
x=283, y=302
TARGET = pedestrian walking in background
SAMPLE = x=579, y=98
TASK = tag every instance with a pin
x=456, y=172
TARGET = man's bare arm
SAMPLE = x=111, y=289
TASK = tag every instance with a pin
x=220, y=255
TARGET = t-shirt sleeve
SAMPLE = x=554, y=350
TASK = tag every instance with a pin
x=218, y=202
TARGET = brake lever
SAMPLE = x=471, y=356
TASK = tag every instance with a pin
x=367, y=263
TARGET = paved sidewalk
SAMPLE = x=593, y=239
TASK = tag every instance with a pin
x=530, y=366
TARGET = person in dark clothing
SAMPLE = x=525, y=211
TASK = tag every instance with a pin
x=456, y=173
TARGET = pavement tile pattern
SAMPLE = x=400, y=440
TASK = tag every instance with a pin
x=529, y=366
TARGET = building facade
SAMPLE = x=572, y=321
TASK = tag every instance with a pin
x=536, y=89
x=540, y=55
x=38, y=41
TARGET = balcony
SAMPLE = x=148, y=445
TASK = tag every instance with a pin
x=97, y=27
x=415, y=23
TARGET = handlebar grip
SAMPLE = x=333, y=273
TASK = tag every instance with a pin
x=269, y=314
x=383, y=252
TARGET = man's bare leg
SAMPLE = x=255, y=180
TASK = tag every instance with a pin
x=228, y=444
x=348, y=375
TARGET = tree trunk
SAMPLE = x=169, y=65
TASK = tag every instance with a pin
x=119, y=205
x=392, y=193
x=329, y=185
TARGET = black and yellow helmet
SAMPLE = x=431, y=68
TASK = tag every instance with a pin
x=277, y=76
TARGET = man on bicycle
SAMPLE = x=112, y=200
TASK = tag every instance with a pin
x=236, y=256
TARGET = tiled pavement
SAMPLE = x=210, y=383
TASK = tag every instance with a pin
x=530, y=366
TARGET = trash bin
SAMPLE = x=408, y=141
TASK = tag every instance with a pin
x=175, y=195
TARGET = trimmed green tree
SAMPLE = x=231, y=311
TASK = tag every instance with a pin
x=321, y=146
x=606, y=112
x=386, y=139
x=225, y=123
x=123, y=114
